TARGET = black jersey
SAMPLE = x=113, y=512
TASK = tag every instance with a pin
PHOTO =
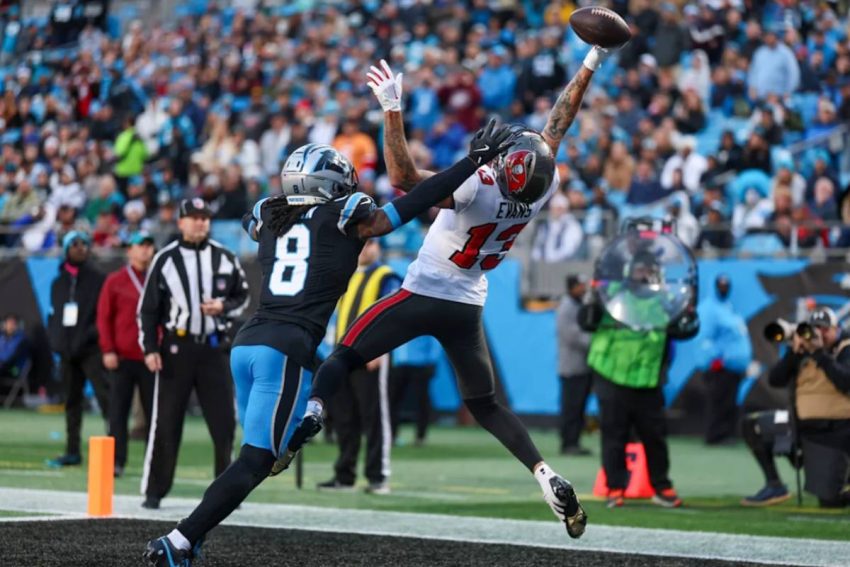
x=306, y=270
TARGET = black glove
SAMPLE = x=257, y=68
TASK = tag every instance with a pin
x=590, y=315
x=489, y=142
x=685, y=327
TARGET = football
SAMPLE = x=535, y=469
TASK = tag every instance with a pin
x=600, y=26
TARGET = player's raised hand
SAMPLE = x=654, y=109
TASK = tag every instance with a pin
x=489, y=142
x=387, y=88
x=596, y=56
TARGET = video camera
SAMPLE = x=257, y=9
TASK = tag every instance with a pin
x=781, y=330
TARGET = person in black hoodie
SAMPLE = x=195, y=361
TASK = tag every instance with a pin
x=72, y=330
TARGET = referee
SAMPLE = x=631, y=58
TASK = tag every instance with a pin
x=193, y=288
x=362, y=404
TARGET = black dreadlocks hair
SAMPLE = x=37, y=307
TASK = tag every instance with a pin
x=283, y=215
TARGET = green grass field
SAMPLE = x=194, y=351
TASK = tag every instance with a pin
x=461, y=471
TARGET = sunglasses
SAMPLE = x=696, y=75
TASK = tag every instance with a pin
x=79, y=242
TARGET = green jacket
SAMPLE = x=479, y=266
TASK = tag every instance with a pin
x=131, y=153
x=18, y=205
x=630, y=358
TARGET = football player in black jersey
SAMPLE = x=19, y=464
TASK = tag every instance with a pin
x=309, y=239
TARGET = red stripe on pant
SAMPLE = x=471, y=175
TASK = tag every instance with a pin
x=366, y=319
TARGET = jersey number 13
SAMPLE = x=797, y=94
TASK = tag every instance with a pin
x=478, y=235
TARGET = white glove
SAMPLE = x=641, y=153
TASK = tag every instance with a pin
x=595, y=57
x=387, y=88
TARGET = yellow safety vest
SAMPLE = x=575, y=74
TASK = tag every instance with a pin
x=364, y=289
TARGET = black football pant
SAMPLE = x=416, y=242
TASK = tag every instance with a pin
x=402, y=316
x=122, y=385
x=722, y=397
x=75, y=371
x=765, y=437
x=187, y=365
x=362, y=407
x=417, y=377
x=574, y=392
x=621, y=410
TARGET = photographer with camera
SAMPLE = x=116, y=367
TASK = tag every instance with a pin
x=816, y=368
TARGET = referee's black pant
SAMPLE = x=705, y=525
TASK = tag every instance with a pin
x=186, y=365
x=122, y=385
x=621, y=410
x=362, y=407
x=417, y=377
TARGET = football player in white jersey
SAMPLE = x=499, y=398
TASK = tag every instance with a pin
x=445, y=288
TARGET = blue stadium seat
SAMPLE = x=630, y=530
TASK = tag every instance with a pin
x=739, y=126
x=761, y=244
x=707, y=142
x=806, y=104
x=779, y=155
x=230, y=234
x=748, y=178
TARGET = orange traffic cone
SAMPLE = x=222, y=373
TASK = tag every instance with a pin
x=638, y=486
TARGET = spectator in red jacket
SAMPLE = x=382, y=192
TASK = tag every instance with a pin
x=119, y=341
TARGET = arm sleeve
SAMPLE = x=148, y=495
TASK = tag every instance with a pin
x=104, y=318
x=837, y=369
x=150, y=307
x=785, y=370
x=239, y=298
x=355, y=208
x=428, y=193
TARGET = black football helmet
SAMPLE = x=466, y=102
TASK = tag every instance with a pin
x=525, y=171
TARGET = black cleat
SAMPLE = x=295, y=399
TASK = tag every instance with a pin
x=309, y=427
x=161, y=553
x=151, y=503
x=574, y=516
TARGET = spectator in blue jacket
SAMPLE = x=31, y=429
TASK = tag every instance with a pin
x=726, y=343
x=413, y=366
x=497, y=81
x=773, y=70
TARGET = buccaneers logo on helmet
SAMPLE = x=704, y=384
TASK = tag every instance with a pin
x=518, y=166
x=525, y=172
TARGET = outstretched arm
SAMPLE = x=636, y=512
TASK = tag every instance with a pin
x=569, y=101
x=401, y=169
x=487, y=143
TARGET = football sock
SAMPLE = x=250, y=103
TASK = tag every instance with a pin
x=505, y=426
x=228, y=491
x=314, y=407
x=178, y=540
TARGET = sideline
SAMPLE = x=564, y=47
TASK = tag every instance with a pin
x=671, y=543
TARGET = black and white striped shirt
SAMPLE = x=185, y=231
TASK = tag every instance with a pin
x=181, y=277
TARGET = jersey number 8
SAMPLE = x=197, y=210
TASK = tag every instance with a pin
x=290, y=266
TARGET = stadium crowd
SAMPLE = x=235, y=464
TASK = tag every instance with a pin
x=106, y=131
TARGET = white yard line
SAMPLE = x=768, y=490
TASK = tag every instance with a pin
x=703, y=545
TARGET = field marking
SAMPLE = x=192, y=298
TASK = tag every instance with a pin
x=628, y=540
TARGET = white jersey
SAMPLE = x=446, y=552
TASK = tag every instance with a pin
x=469, y=240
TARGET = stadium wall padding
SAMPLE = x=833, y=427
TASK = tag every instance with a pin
x=524, y=343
